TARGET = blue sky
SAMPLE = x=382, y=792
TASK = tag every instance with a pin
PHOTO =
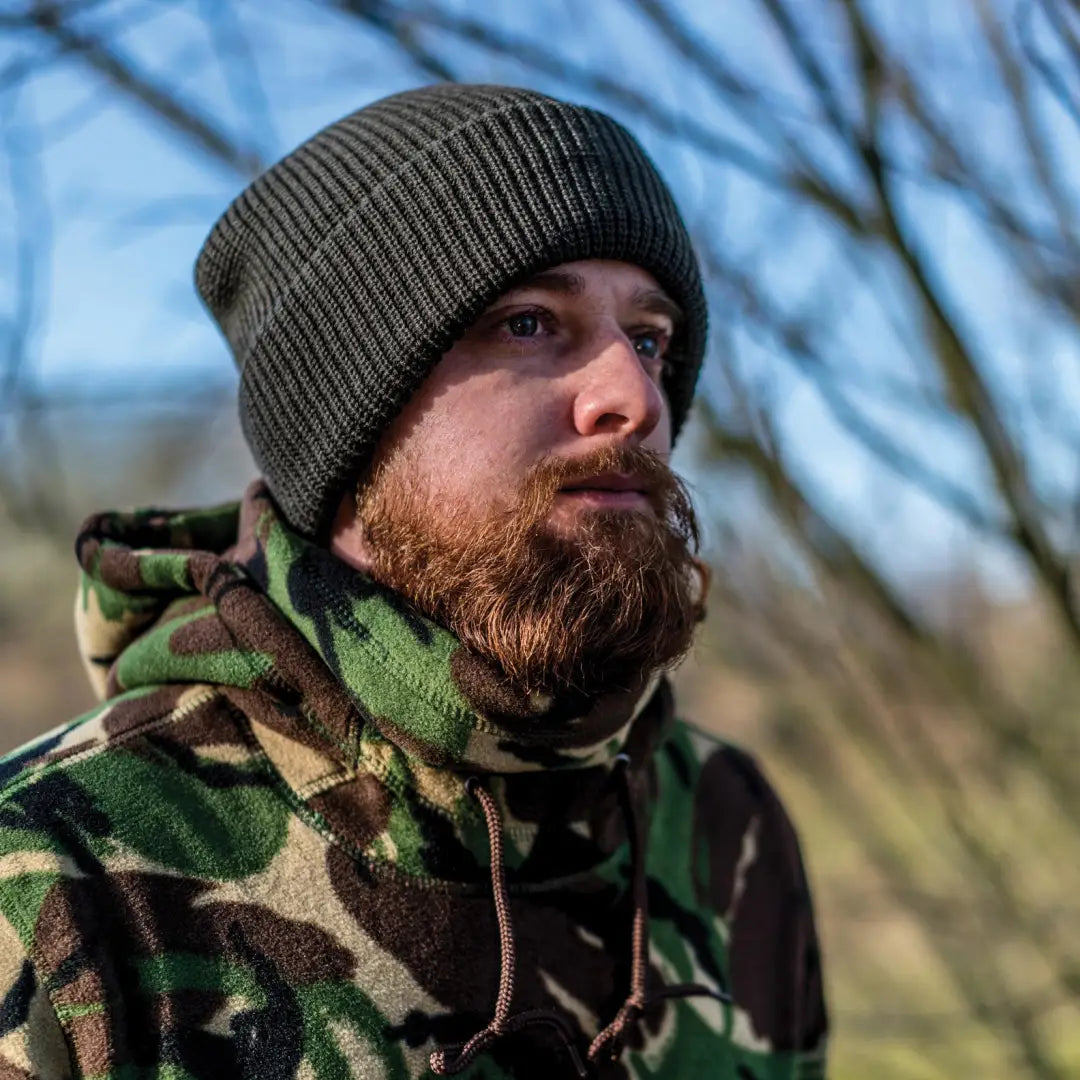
x=130, y=203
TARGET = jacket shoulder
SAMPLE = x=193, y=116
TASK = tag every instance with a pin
x=107, y=725
x=167, y=775
x=163, y=780
x=720, y=771
x=734, y=807
x=162, y=783
x=751, y=872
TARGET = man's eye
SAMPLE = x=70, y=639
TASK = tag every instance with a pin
x=650, y=346
x=523, y=325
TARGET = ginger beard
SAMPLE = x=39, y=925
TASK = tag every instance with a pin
x=594, y=607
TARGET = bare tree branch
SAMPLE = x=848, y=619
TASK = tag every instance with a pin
x=1015, y=81
x=239, y=67
x=48, y=18
x=824, y=540
x=401, y=28
x=1057, y=85
x=38, y=504
x=642, y=105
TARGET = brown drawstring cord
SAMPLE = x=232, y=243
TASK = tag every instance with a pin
x=447, y=1061
x=639, y=942
x=638, y=1000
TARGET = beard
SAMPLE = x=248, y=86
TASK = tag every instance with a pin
x=593, y=608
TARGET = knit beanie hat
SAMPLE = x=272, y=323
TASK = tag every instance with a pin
x=343, y=273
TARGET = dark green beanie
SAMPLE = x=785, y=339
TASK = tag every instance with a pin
x=343, y=273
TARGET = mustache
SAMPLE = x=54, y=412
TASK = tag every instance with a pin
x=651, y=471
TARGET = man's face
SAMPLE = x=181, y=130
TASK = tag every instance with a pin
x=557, y=367
x=527, y=477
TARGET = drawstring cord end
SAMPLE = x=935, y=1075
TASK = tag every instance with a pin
x=450, y=1060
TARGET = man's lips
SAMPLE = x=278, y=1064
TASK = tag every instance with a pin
x=608, y=482
x=608, y=490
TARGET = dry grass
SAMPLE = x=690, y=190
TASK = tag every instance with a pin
x=939, y=818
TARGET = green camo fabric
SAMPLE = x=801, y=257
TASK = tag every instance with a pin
x=259, y=857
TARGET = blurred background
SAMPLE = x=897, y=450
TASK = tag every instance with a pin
x=886, y=445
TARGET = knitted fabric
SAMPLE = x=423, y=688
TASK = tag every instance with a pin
x=343, y=273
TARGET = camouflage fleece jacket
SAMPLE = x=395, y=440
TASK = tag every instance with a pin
x=308, y=835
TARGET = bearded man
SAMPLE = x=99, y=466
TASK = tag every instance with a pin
x=387, y=781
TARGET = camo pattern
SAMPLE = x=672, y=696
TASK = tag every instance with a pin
x=258, y=857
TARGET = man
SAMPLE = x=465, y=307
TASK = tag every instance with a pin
x=387, y=781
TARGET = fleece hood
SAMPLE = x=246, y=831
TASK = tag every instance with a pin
x=231, y=596
x=373, y=715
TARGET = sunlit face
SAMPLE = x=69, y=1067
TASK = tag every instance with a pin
x=565, y=364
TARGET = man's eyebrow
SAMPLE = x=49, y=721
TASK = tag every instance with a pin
x=557, y=281
x=567, y=283
x=659, y=303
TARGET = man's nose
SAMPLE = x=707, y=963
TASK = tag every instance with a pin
x=616, y=395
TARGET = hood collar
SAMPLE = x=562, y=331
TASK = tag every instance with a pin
x=210, y=596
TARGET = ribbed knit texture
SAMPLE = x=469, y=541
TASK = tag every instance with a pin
x=343, y=273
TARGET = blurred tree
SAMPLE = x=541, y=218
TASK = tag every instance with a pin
x=884, y=205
